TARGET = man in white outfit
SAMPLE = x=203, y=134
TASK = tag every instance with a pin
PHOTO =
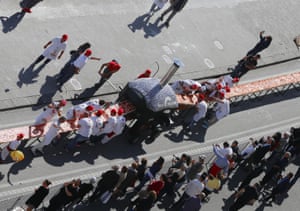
x=97, y=124
x=12, y=146
x=52, y=133
x=54, y=49
x=85, y=126
x=201, y=110
x=47, y=115
x=109, y=125
x=76, y=112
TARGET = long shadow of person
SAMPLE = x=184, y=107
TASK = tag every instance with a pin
x=47, y=92
x=86, y=94
x=29, y=75
x=141, y=23
x=11, y=22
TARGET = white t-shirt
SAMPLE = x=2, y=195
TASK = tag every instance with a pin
x=80, y=61
x=86, y=125
x=95, y=104
x=120, y=124
x=222, y=109
x=194, y=188
x=227, y=151
x=52, y=132
x=248, y=151
x=78, y=110
x=109, y=125
x=54, y=48
x=201, y=111
x=97, y=124
x=14, y=145
x=47, y=115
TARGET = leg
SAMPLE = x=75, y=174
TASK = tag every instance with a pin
x=165, y=12
x=170, y=17
x=39, y=59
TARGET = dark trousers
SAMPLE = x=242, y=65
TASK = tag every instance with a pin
x=178, y=205
x=65, y=74
x=40, y=58
x=170, y=9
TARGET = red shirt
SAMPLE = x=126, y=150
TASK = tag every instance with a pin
x=156, y=186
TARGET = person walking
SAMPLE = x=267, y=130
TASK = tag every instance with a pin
x=39, y=195
x=74, y=68
x=107, y=70
x=54, y=49
x=28, y=4
x=263, y=43
x=175, y=7
x=156, y=5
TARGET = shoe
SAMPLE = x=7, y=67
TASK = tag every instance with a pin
x=161, y=18
x=27, y=10
x=167, y=24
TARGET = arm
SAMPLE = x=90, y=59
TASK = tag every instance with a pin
x=217, y=151
x=45, y=46
x=67, y=190
x=261, y=35
x=95, y=58
x=101, y=68
x=61, y=53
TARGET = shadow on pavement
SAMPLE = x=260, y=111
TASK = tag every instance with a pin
x=47, y=92
x=142, y=23
x=11, y=22
x=29, y=75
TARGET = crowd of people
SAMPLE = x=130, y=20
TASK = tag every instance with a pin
x=142, y=184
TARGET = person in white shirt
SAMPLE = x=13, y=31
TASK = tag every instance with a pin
x=248, y=151
x=74, y=68
x=51, y=134
x=76, y=112
x=85, y=126
x=53, y=49
x=97, y=119
x=108, y=126
x=12, y=146
x=201, y=110
x=47, y=115
x=192, y=189
x=187, y=86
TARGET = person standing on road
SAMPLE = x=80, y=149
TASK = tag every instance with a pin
x=39, y=194
x=12, y=146
x=28, y=4
x=157, y=5
x=263, y=43
x=54, y=49
x=74, y=68
x=176, y=6
x=107, y=70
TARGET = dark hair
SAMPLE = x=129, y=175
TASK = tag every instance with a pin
x=47, y=182
x=83, y=47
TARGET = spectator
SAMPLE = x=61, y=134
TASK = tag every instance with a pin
x=141, y=168
x=145, y=204
x=263, y=43
x=193, y=203
x=151, y=172
x=108, y=181
x=65, y=195
x=221, y=164
x=39, y=194
x=53, y=49
x=192, y=189
x=196, y=168
x=281, y=187
x=247, y=195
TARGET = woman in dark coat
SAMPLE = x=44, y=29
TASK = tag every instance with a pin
x=36, y=199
